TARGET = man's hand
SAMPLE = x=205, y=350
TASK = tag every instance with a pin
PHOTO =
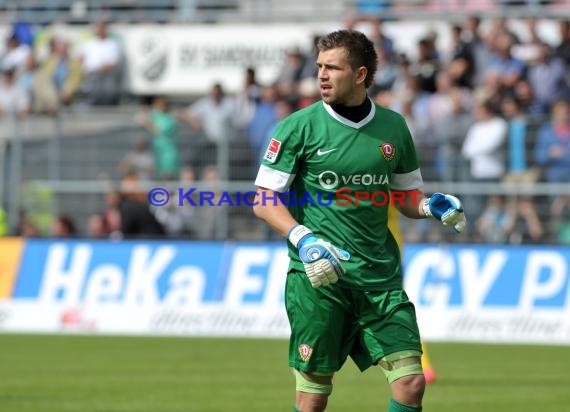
x=446, y=208
x=321, y=259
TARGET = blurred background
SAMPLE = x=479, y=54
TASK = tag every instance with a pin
x=102, y=101
x=100, y=97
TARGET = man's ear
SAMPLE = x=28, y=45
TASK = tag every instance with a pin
x=361, y=73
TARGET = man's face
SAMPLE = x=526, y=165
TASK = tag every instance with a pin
x=337, y=79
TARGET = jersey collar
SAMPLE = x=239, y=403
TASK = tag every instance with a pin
x=350, y=123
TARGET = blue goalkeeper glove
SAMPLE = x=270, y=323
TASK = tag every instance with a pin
x=446, y=208
x=321, y=259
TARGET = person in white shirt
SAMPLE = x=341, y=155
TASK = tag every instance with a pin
x=484, y=147
x=13, y=98
x=214, y=116
x=101, y=58
x=16, y=55
x=483, y=144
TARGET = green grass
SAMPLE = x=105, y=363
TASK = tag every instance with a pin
x=87, y=373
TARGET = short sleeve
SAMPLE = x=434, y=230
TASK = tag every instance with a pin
x=282, y=157
x=407, y=174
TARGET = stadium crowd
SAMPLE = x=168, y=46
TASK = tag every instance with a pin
x=493, y=109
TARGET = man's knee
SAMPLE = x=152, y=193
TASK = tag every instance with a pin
x=410, y=387
x=313, y=383
x=401, y=364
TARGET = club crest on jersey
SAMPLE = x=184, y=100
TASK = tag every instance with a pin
x=388, y=150
x=272, y=150
x=305, y=351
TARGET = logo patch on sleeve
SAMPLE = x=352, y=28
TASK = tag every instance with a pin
x=388, y=150
x=272, y=150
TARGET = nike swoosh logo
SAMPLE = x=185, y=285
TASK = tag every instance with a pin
x=324, y=152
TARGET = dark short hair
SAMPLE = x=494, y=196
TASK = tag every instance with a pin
x=359, y=48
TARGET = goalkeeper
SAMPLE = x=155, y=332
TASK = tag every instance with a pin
x=344, y=293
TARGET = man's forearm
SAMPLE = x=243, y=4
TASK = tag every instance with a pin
x=274, y=213
x=412, y=204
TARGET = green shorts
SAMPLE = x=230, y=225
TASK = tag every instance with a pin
x=328, y=324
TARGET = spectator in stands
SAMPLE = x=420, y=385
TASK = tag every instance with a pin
x=484, y=144
x=524, y=93
x=519, y=143
x=28, y=229
x=491, y=90
x=97, y=226
x=426, y=67
x=496, y=221
x=381, y=39
x=450, y=119
x=247, y=99
x=101, y=58
x=547, y=78
x=163, y=126
x=563, y=48
x=309, y=70
x=214, y=116
x=264, y=118
x=112, y=215
x=15, y=55
x=528, y=49
x=58, y=78
x=386, y=73
x=172, y=217
x=484, y=149
x=63, y=226
x=27, y=76
x=480, y=47
x=290, y=72
x=501, y=223
x=520, y=171
x=441, y=102
x=182, y=221
x=132, y=188
x=13, y=97
x=552, y=150
x=461, y=67
x=283, y=108
x=209, y=216
x=509, y=68
x=139, y=161
x=135, y=217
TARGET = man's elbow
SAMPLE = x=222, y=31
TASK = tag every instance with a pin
x=258, y=210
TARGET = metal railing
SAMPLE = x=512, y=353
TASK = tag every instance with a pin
x=267, y=11
x=67, y=164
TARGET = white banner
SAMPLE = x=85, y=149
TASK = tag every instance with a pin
x=190, y=59
x=204, y=320
x=461, y=292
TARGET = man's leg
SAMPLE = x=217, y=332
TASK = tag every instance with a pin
x=407, y=383
x=312, y=391
x=318, y=346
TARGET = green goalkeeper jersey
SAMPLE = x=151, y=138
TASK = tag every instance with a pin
x=338, y=175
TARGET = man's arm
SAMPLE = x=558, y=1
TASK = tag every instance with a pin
x=275, y=214
x=410, y=203
x=321, y=259
x=445, y=208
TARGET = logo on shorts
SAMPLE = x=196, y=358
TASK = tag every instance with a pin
x=305, y=351
x=272, y=150
x=388, y=150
